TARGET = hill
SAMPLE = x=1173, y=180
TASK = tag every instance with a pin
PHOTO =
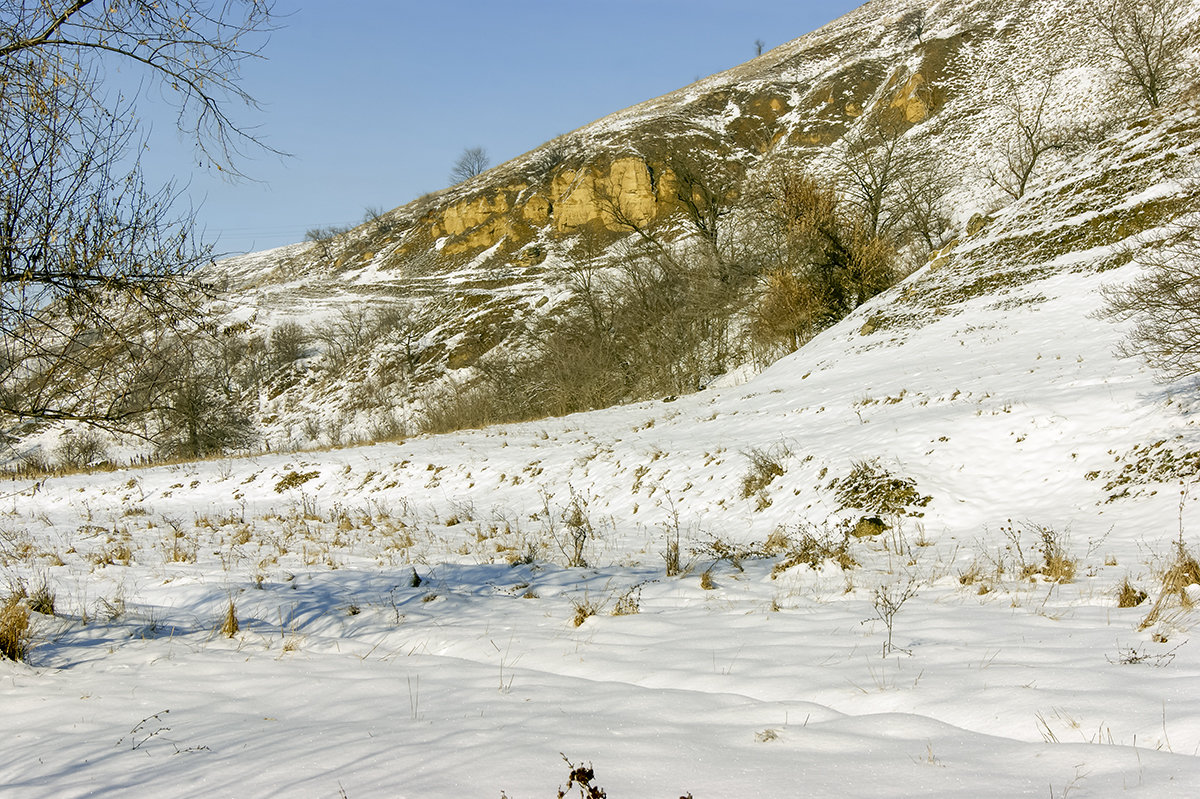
x=652, y=245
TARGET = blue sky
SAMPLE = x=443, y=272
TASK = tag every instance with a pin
x=374, y=100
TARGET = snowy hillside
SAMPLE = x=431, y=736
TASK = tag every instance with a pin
x=944, y=658
x=408, y=310
x=901, y=561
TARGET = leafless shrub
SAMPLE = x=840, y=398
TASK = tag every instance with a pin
x=288, y=340
x=811, y=546
x=1132, y=656
x=887, y=601
x=576, y=531
x=324, y=239
x=718, y=549
x=378, y=220
x=80, y=449
x=1164, y=304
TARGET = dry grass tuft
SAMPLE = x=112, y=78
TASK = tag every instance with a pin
x=1129, y=596
x=14, y=627
x=584, y=609
x=229, y=628
x=973, y=574
x=42, y=599
x=629, y=602
x=765, y=466
x=1057, y=565
x=671, y=557
x=1183, y=572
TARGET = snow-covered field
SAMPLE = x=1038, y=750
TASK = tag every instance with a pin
x=741, y=676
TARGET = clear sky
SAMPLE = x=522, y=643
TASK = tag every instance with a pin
x=375, y=99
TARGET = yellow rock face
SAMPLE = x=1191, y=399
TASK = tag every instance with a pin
x=589, y=195
x=577, y=198
x=482, y=236
x=461, y=217
x=908, y=100
x=536, y=211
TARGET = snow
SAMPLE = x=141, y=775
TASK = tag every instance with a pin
x=345, y=677
x=741, y=676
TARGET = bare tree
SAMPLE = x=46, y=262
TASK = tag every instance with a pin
x=922, y=204
x=1164, y=304
x=94, y=266
x=759, y=44
x=473, y=161
x=872, y=168
x=1028, y=136
x=708, y=180
x=1148, y=42
x=287, y=343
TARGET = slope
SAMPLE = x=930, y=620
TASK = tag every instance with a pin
x=406, y=312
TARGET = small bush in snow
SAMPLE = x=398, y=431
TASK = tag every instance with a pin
x=229, y=627
x=42, y=599
x=872, y=488
x=581, y=777
x=1055, y=564
x=584, y=608
x=812, y=547
x=79, y=450
x=765, y=466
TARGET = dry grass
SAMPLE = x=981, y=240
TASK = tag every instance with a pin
x=1128, y=596
x=14, y=627
x=584, y=608
x=974, y=575
x=629, y=602
x=671, y=557
x=229, y=628
x=765, y=466
x=1056, y=565
x=42, y=599
x=871, y=488
x=810, y=546
x=1182, y=572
